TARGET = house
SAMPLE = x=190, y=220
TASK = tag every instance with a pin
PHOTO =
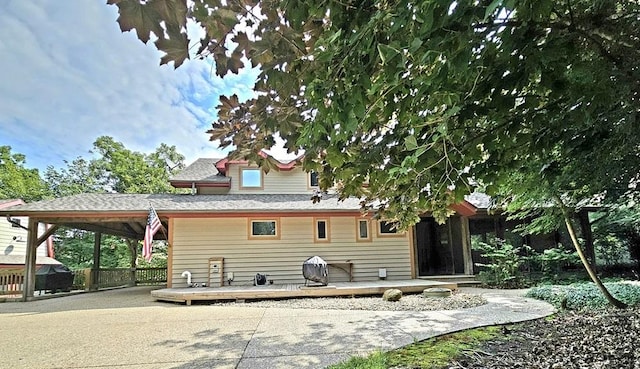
x=287, y=228
x=13, y=241
x=238, y=221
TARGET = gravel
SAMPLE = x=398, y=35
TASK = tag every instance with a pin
x=414, y=302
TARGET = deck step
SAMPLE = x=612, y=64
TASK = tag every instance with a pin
x=460, y=280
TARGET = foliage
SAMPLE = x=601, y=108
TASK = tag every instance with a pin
x=553, y=261
x=74, y=248
x=617, y=231
x=585, y=295
x=536, y=100
x=17, y=181
x=508, y=266
x=418, y=99
x=117, y=169
x=504, y=266
x=113, y=169
x=431, y=353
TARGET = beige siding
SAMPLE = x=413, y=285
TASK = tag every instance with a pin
x=197, y=240
x=213, y=191
x=289, y=182
x=9, y=246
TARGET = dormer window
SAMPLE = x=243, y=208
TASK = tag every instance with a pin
x=251, y=178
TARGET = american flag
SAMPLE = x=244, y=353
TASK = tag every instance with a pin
x=153, y=224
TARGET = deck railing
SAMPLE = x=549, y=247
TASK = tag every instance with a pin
x=151, y=275
x=11, y=281
x=115, y=277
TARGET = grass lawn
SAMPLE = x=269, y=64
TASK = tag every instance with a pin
x=432, y=353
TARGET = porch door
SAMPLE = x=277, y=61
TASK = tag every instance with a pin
x=437, y=251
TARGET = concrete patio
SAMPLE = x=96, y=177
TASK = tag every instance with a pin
x=126, y=328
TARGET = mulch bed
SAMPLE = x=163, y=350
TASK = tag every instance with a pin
x=581, y=340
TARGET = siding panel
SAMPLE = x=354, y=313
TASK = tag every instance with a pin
x=197, y=240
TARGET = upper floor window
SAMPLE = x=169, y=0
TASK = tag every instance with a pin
x=313, y=179
x=251, y=178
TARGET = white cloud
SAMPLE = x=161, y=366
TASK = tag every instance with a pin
x=70, y=76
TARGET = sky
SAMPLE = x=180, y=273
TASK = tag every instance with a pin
x=69, y=75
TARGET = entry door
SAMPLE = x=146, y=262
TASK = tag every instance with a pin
x=433, y=248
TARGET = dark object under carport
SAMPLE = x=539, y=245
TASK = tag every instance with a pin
x=53, y=278
x=315, y=269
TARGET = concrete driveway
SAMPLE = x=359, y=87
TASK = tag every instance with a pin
x=125, y=328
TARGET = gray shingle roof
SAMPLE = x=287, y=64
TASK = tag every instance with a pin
x=135, y=203
x=479, y=200
x=201, y=170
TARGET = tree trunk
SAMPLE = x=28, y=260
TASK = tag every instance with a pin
x=594, y=277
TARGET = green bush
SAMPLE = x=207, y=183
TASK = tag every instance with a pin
x=552, y=262
x=581, y=296
x=504, y=266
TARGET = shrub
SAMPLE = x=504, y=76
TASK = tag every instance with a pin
x=504, y=266
x=552, y=262
x=581, y=296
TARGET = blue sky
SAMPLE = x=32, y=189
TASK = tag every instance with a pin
x=69, y=76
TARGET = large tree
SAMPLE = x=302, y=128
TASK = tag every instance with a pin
x=113, y=168
x=18, y=181
x=533, y=100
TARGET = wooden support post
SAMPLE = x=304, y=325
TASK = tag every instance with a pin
x=134, y=255
x=30, y=261
x=95, y=268
x=466, y=245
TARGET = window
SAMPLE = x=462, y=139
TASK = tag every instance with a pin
x=250, y=178
x=313, y=179
x=388, y=229
x=321, y=230
x=264, y=228
x=363, y=230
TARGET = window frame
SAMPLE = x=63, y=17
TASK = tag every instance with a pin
x=242, y=186
x=359, y=237
x=381, y=234
x=251, y=236
x=327, y=230
x=310, y=184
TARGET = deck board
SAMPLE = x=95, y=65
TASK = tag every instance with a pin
x=187, y=295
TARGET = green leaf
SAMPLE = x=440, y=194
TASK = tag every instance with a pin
x=491, y=8
x=410, y=143
x=387, y=53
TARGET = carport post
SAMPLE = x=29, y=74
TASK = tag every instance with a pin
x=95, y=269
x=30, y=261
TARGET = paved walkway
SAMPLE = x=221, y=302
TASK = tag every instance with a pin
x=126, y=329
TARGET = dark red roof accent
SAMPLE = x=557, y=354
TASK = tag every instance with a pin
x=223, y=164
x=465, y=208
x=189, y=184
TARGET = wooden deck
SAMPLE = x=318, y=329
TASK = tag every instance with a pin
x=187, y=295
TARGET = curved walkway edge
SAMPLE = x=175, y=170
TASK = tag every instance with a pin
x=127, y=329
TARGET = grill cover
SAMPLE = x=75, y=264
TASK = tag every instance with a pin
x=53, y=278
x=315, y=269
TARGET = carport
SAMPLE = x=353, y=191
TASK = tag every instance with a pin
x=123, y=215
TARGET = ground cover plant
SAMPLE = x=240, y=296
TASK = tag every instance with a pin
x=581, y=296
